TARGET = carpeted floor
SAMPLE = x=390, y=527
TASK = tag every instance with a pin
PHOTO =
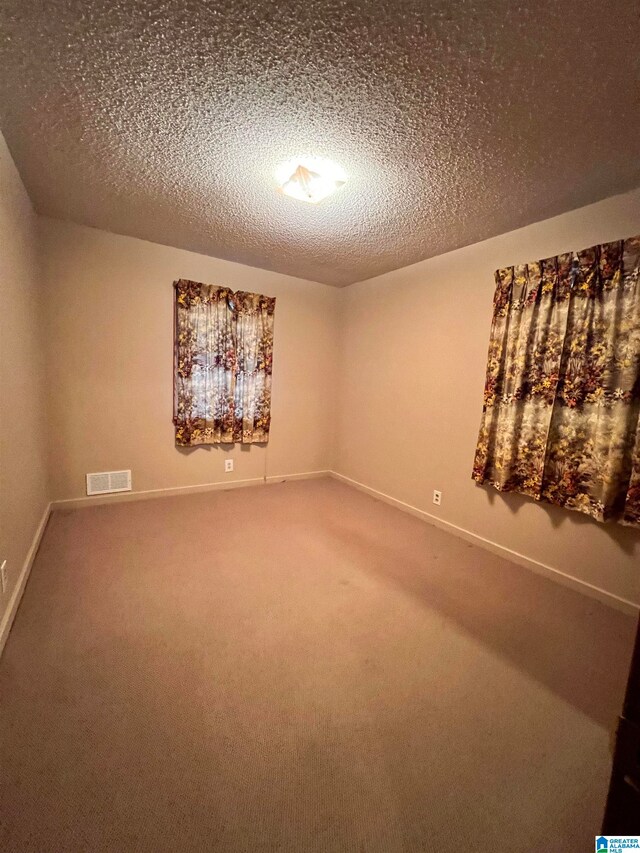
x=299, y=668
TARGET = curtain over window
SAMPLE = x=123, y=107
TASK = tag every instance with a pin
x=223, y=360
x=560, y=421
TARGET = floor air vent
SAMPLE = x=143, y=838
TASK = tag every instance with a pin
x=108, y=481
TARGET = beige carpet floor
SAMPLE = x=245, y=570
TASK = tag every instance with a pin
x=299, y=667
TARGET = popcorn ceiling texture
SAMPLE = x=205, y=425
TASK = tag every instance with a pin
x=456, y=120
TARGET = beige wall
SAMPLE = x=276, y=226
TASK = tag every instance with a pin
x=110, y=359
x=413, y=359
x=23, y=482
x=406, y=351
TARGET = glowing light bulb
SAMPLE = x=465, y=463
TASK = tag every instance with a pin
x=310, y=179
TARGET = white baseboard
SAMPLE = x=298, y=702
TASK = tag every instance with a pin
x=77, y=503
x=306, y=475
x=16, y=596
x=554, y=574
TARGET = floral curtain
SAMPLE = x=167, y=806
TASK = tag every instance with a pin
x=560, y=421
x=223, y=363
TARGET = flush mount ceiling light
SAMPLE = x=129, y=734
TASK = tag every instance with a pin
x=310, y=179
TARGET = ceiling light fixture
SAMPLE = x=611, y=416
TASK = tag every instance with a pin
x=310, y=179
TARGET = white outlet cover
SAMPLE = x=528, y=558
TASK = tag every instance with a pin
x=228, y=465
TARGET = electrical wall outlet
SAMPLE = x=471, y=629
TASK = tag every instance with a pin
x=228, y=466
x=437, y=497
x=3, y=575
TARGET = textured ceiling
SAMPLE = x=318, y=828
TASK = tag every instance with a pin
x=455, y=119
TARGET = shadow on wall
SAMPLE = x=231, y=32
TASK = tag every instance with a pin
x=575, y=646
x=627, y=538
x=225, y=448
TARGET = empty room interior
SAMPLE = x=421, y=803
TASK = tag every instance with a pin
x=319, y=426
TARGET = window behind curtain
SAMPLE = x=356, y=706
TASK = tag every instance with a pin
x=223, y=362
x=561, y=416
